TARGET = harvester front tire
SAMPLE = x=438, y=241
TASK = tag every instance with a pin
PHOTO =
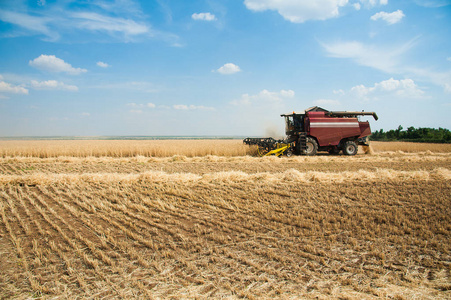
x=350, y=148
x=312, y=146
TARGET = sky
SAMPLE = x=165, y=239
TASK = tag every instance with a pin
x=219, y=67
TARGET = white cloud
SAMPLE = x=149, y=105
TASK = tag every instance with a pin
x=180, y=106
x=85, y=114
x=433, y=3
x=448, y=58
x=389, y=60
x=52, y=63
x=136, y=111
x=102, y=64
x=356, y=6
x=264, y=96
x=373, y=3
x=128, y=7
x=203, y=16
x=6, y=87
x=52, y=85
x=286, y=93
x=141, y=106
x=405, y=88
x=385, y=59
x=228, y=69
x=390, y=18
x=122, y=20
x=34, y=24
x=299, y=11
x=191, y=107
x=442, y=79
x=143, y=86
x=97, y=22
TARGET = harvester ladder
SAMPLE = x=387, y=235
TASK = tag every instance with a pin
x=302, y=142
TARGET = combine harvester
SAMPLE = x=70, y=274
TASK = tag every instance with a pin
x=317, y=129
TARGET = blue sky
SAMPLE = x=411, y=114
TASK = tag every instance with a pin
x=219, y=67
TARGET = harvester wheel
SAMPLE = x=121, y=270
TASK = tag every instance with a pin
x=350, y=148
x=312, y=146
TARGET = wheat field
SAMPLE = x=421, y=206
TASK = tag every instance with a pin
x=93, y=221
x=167, y=148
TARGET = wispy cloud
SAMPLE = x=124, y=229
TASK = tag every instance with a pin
x=97, y=22
x=373, y=3
x=53, y=85
x=51, y=63
x=29, y=24
x=143, y=86
x=433, y=3
x=141, y=105
x=388, y=59
x=382, y=58
x=442, y=79
x=125, y=7
x=264, y=96
x=191, y=107
x=118, y=20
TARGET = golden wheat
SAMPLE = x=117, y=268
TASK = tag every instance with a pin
x=410, y=147
x=114, y=148
x=67, y=149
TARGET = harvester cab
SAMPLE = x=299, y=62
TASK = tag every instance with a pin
x=293, y=123
x=316, y=129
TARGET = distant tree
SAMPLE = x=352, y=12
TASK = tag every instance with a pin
x=412, y=134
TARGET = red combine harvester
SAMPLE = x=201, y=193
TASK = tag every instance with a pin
x=317, y=129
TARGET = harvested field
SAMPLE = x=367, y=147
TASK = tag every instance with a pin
x=330, y=227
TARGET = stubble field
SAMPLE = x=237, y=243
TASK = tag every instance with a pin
x=187, y=220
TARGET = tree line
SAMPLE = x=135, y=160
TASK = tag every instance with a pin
x=412, y=134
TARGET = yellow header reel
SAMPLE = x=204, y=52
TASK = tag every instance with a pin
x=280, y=149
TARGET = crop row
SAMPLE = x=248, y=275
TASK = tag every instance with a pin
x=245, y=238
